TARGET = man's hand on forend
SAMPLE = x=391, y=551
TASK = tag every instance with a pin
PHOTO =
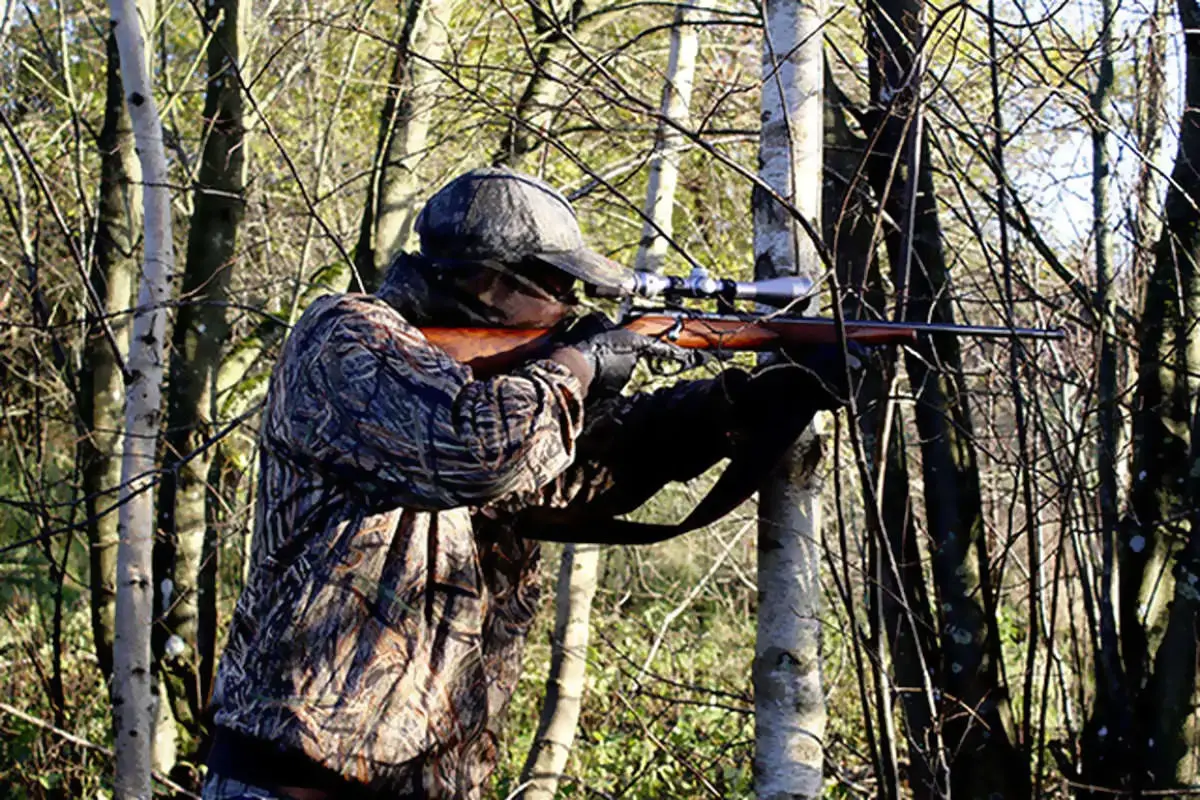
x=802, y=382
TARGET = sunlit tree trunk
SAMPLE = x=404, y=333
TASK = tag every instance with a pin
x=664, y=162
x=789, y=727
x=394, y=194
x=198, y=340
x=1168, y=736
x=547, y=760
x=1151, y=113
x=133, y=704
x=113, y=269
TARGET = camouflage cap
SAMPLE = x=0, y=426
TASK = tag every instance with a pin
x=495, y=213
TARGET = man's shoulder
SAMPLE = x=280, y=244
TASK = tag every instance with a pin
x=347, y=336
x=331, y=308
x=349, y=316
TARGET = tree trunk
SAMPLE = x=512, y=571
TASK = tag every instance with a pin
x=578, y=573
x=1170, y=700
x=668, y=142
x=789, y=727
x=901, y=591
x=530, y=119
x=1107, y=412
x=133, y=703
x=1167, y=384
x=118, y=233
x=559, y=720
x=975, y=722
x=1107, y=751
x=1150, y=115
x=394, y=191
x=199, y=335
x=1153, y=529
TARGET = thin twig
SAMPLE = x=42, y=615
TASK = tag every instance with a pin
x=78, y=740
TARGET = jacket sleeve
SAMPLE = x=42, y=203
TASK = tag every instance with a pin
x=368, y=401
x=633, y=446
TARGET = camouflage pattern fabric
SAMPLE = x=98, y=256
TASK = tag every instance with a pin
x=367, y=637
x=381, y=629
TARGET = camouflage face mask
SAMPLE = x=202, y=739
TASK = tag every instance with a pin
x=447, y=292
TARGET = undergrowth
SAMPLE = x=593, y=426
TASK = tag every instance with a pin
x=676, y=725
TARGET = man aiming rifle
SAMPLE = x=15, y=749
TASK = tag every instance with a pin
x=402, y=497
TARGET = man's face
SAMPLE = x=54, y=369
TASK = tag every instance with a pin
x=528, y=294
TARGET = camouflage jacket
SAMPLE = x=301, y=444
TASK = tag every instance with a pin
x=381, y=628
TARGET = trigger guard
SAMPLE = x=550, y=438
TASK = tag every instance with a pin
x=672, y=335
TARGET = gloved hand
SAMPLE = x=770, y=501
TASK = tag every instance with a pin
x=826, y=368
x=785, y=395
x=612, y=352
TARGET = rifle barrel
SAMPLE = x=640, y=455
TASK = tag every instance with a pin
x=492, y=350
x=975, y=331
x=751, y=332
x=729, y=322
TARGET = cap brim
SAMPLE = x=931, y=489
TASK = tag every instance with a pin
x=590, y=267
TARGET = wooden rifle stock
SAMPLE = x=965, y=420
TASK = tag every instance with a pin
x=491, y=351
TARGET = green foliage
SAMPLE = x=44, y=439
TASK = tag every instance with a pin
x=682, y=725
x=316, y=76
x=34, y=762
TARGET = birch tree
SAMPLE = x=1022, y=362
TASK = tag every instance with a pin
x=185, y=554
x=133, y=703
x=579, y=571
x=563, y=703
x=113, y=269
x=668, y=141
x=394, y=192
x=789, y=706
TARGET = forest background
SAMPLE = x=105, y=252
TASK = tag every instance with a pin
x=1010, y=555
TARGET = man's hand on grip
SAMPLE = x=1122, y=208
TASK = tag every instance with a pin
x=612, y=352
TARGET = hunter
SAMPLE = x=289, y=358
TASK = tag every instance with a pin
x=394, y=571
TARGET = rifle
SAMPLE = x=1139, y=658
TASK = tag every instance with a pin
x=493, y=350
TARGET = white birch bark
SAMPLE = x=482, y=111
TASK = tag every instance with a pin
x=579, y=570
x=669, y=142
x=559, y=720
x=399, y=185
x=133, y=701
x=789, y=705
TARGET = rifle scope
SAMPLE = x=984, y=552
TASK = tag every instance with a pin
x=791, y=291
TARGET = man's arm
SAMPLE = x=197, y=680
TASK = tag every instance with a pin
x=369, y=402
x=633, y=446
